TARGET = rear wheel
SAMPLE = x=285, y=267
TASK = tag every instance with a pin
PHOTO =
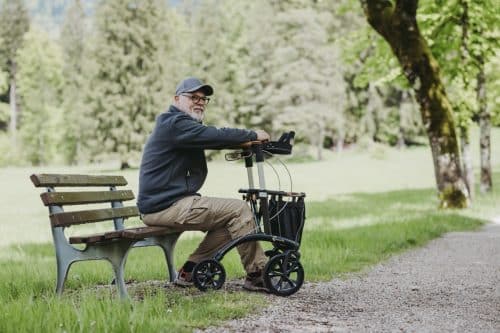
x=209, y=274
x=284, y=274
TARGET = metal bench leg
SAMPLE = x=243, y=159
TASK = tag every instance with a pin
x=117, y=260
x=63, y=265
x=167, y=243
x=169, y=256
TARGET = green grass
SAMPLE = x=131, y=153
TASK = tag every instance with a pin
x=355, y=248
x=156, y=312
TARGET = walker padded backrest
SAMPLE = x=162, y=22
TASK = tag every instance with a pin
x=59, y=199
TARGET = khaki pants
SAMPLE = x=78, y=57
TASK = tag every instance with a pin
x=221, y=219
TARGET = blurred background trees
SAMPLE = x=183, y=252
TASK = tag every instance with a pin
x=82, y=81
x=126, y=75
x=14, y=23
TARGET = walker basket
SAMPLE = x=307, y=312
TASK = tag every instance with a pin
x=287, y=217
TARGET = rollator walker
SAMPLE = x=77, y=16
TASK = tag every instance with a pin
x=282, y=215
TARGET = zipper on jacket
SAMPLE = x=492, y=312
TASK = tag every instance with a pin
x=188, y=174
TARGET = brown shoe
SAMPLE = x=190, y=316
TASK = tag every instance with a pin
x=184, y=279
x=255, y=282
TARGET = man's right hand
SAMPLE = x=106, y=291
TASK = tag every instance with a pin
x=262, y=135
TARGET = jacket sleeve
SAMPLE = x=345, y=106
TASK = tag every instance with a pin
x=188, y=133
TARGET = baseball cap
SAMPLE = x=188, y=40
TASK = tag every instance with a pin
x=192, y=84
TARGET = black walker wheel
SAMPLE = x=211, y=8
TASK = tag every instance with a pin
x=209, y=274
x=284, y=274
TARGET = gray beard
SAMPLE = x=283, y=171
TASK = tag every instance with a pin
x=195, y=116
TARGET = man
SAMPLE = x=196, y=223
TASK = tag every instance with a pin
x=174, y=168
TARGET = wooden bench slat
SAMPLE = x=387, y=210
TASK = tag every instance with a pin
x=40, y=180
x=139, y=232
x=130, y=233
x=94, y=215
x=78, y=198
x=94, y=238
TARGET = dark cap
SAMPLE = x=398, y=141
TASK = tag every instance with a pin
x=192, y=84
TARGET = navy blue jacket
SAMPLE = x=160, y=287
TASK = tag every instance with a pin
x=173, y=163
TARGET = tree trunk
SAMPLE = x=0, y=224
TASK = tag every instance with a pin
x=124, y=165
x=464, y=130
x=340, y=142
x=484, y=136
x=467, y=160
x=398, y=25
x=401, y=133
x=319, y=144
x=13, y=105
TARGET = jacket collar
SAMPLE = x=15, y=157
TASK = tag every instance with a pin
x=173, y=108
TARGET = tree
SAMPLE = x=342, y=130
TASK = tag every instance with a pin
x=14, y=23
x=258, y=84
x=480, y=40
x=396, y=23
x=4, y=108
x=464, y=38
x=127, y=74
x=73, y=47
x=289, y=79
x=379, y=105
x=40, y=83
x=309, y=90
x=219, y=55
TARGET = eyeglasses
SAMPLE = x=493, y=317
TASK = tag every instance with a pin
x=198, y=99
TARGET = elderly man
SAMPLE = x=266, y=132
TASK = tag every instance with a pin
x=174, y=168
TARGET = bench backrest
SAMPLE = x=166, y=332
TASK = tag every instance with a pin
x=56, y=200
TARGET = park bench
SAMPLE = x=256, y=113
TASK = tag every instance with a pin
x=112, y=245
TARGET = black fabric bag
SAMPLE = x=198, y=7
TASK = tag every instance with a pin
x=287, y=218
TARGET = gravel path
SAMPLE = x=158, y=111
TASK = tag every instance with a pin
x=451, y=284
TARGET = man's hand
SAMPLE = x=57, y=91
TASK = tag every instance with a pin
x=262, y=135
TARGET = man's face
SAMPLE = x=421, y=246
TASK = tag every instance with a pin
x=192, y=103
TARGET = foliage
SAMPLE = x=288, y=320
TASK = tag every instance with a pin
x=9, y=155
x=14, y=22
x=442, y=23
x=396, y=22
x=3, y=81
x=262, y=56
x=220, y=61
x=380, y=107
x=126, y=75
x=40, y=83
x=493, y=89
x=4, y=107
x=463, y=37
x=308, y=90
x=314, y=67
x=73, y=102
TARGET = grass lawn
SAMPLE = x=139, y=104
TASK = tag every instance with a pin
x=361, y=209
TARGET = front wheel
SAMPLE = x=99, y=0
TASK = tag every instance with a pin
x=284, y=274
x=209, y=274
